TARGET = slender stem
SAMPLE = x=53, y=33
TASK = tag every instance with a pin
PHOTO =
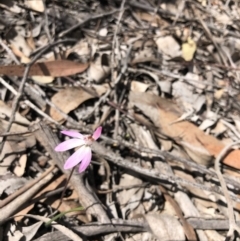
x=62, y=214
x=65, y=187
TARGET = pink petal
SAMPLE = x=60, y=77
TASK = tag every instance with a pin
x=85, y=161
x=69, y=144
x=77, y=157
x=72, y=134
x=97, y=133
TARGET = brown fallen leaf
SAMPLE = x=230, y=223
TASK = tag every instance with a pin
x=199, y=146
x=70, y=98
x=55, y=68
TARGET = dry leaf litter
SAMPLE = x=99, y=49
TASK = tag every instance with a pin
x=161, y=78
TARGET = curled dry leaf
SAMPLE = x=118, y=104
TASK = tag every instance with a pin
x=55, y=68
x=70, y=98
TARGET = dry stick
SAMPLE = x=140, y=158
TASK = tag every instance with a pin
x=15, y=133
x=232, y=223
x=114, y=43
x=24, y=188
x=210, y=224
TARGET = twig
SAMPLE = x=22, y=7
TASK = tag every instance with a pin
x=232, y=223
x=15, y=133
x=113, y=65
x=210, y=224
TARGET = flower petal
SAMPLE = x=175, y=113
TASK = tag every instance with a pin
x=69, y=144
x=77, y=157
x=97, y=133
x=72, y=134
x=85, y=161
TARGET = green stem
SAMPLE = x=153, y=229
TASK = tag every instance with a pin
x=62, y=214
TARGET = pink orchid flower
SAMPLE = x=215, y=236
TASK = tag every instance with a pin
x=84, y=154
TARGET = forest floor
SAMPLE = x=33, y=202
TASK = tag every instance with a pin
x=159, y=81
